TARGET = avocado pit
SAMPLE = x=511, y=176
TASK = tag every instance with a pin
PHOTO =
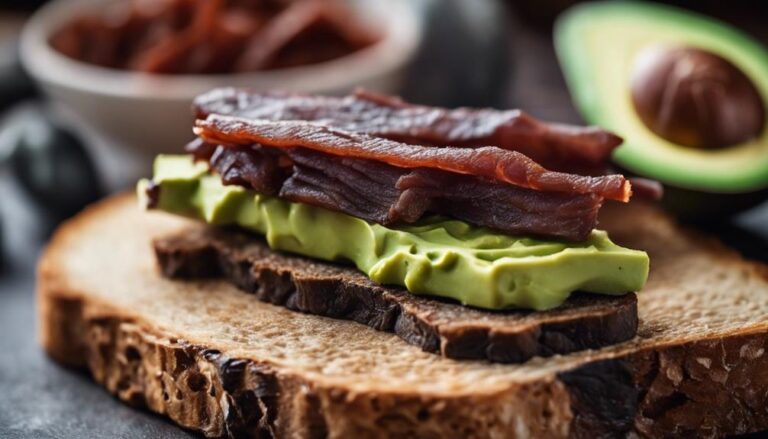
x=695, y=98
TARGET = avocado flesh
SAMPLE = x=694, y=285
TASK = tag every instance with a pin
x=597, y=45
x=437, y=256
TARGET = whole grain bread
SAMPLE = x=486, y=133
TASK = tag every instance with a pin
x=216, y=360
x=585, y=321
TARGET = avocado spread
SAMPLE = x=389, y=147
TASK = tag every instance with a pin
x=437, y=256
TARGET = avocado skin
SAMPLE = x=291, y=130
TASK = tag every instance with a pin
x=706, y=207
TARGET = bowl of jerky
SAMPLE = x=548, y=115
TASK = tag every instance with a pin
x=130, y=68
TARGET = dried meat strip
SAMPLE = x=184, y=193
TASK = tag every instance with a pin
x=496, y=164
x=174, y=53
x=555, y=146
x=388, y=195
x=213, y=36
x=298, y=20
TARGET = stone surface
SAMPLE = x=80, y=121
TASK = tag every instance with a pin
x=39, y=398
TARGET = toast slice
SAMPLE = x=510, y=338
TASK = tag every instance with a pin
x=215, y=360
x=585, y=321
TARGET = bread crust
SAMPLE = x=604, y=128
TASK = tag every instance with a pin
x=704, y=385
x=208, y=391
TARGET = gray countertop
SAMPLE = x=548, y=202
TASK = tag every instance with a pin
x=40, y=399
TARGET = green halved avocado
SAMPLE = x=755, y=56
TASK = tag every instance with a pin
x=598, y=45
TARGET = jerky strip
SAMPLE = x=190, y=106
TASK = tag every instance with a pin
x=555, y=146
x=489, y=162
x=387, y=195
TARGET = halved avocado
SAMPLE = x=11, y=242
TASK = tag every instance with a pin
x=598, y=45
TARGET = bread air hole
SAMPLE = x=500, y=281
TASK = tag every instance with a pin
x=197, y=382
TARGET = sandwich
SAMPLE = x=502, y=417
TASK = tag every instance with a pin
x=461, y=238
x=393, y=194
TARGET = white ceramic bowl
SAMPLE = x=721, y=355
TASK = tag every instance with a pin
x=151, y=113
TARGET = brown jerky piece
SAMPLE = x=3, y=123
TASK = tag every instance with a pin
x=555, y=146
x=212, y=36
x=493, y=163
x=388, y=195
x=304, y=32
x=583, y=322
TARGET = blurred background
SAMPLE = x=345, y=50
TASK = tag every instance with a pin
x=91, y=90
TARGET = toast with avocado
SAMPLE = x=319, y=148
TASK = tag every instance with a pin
x=474, y=234
x=401, y=217
x=215, y=360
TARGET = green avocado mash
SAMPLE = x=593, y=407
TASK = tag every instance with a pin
x=437, y=256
